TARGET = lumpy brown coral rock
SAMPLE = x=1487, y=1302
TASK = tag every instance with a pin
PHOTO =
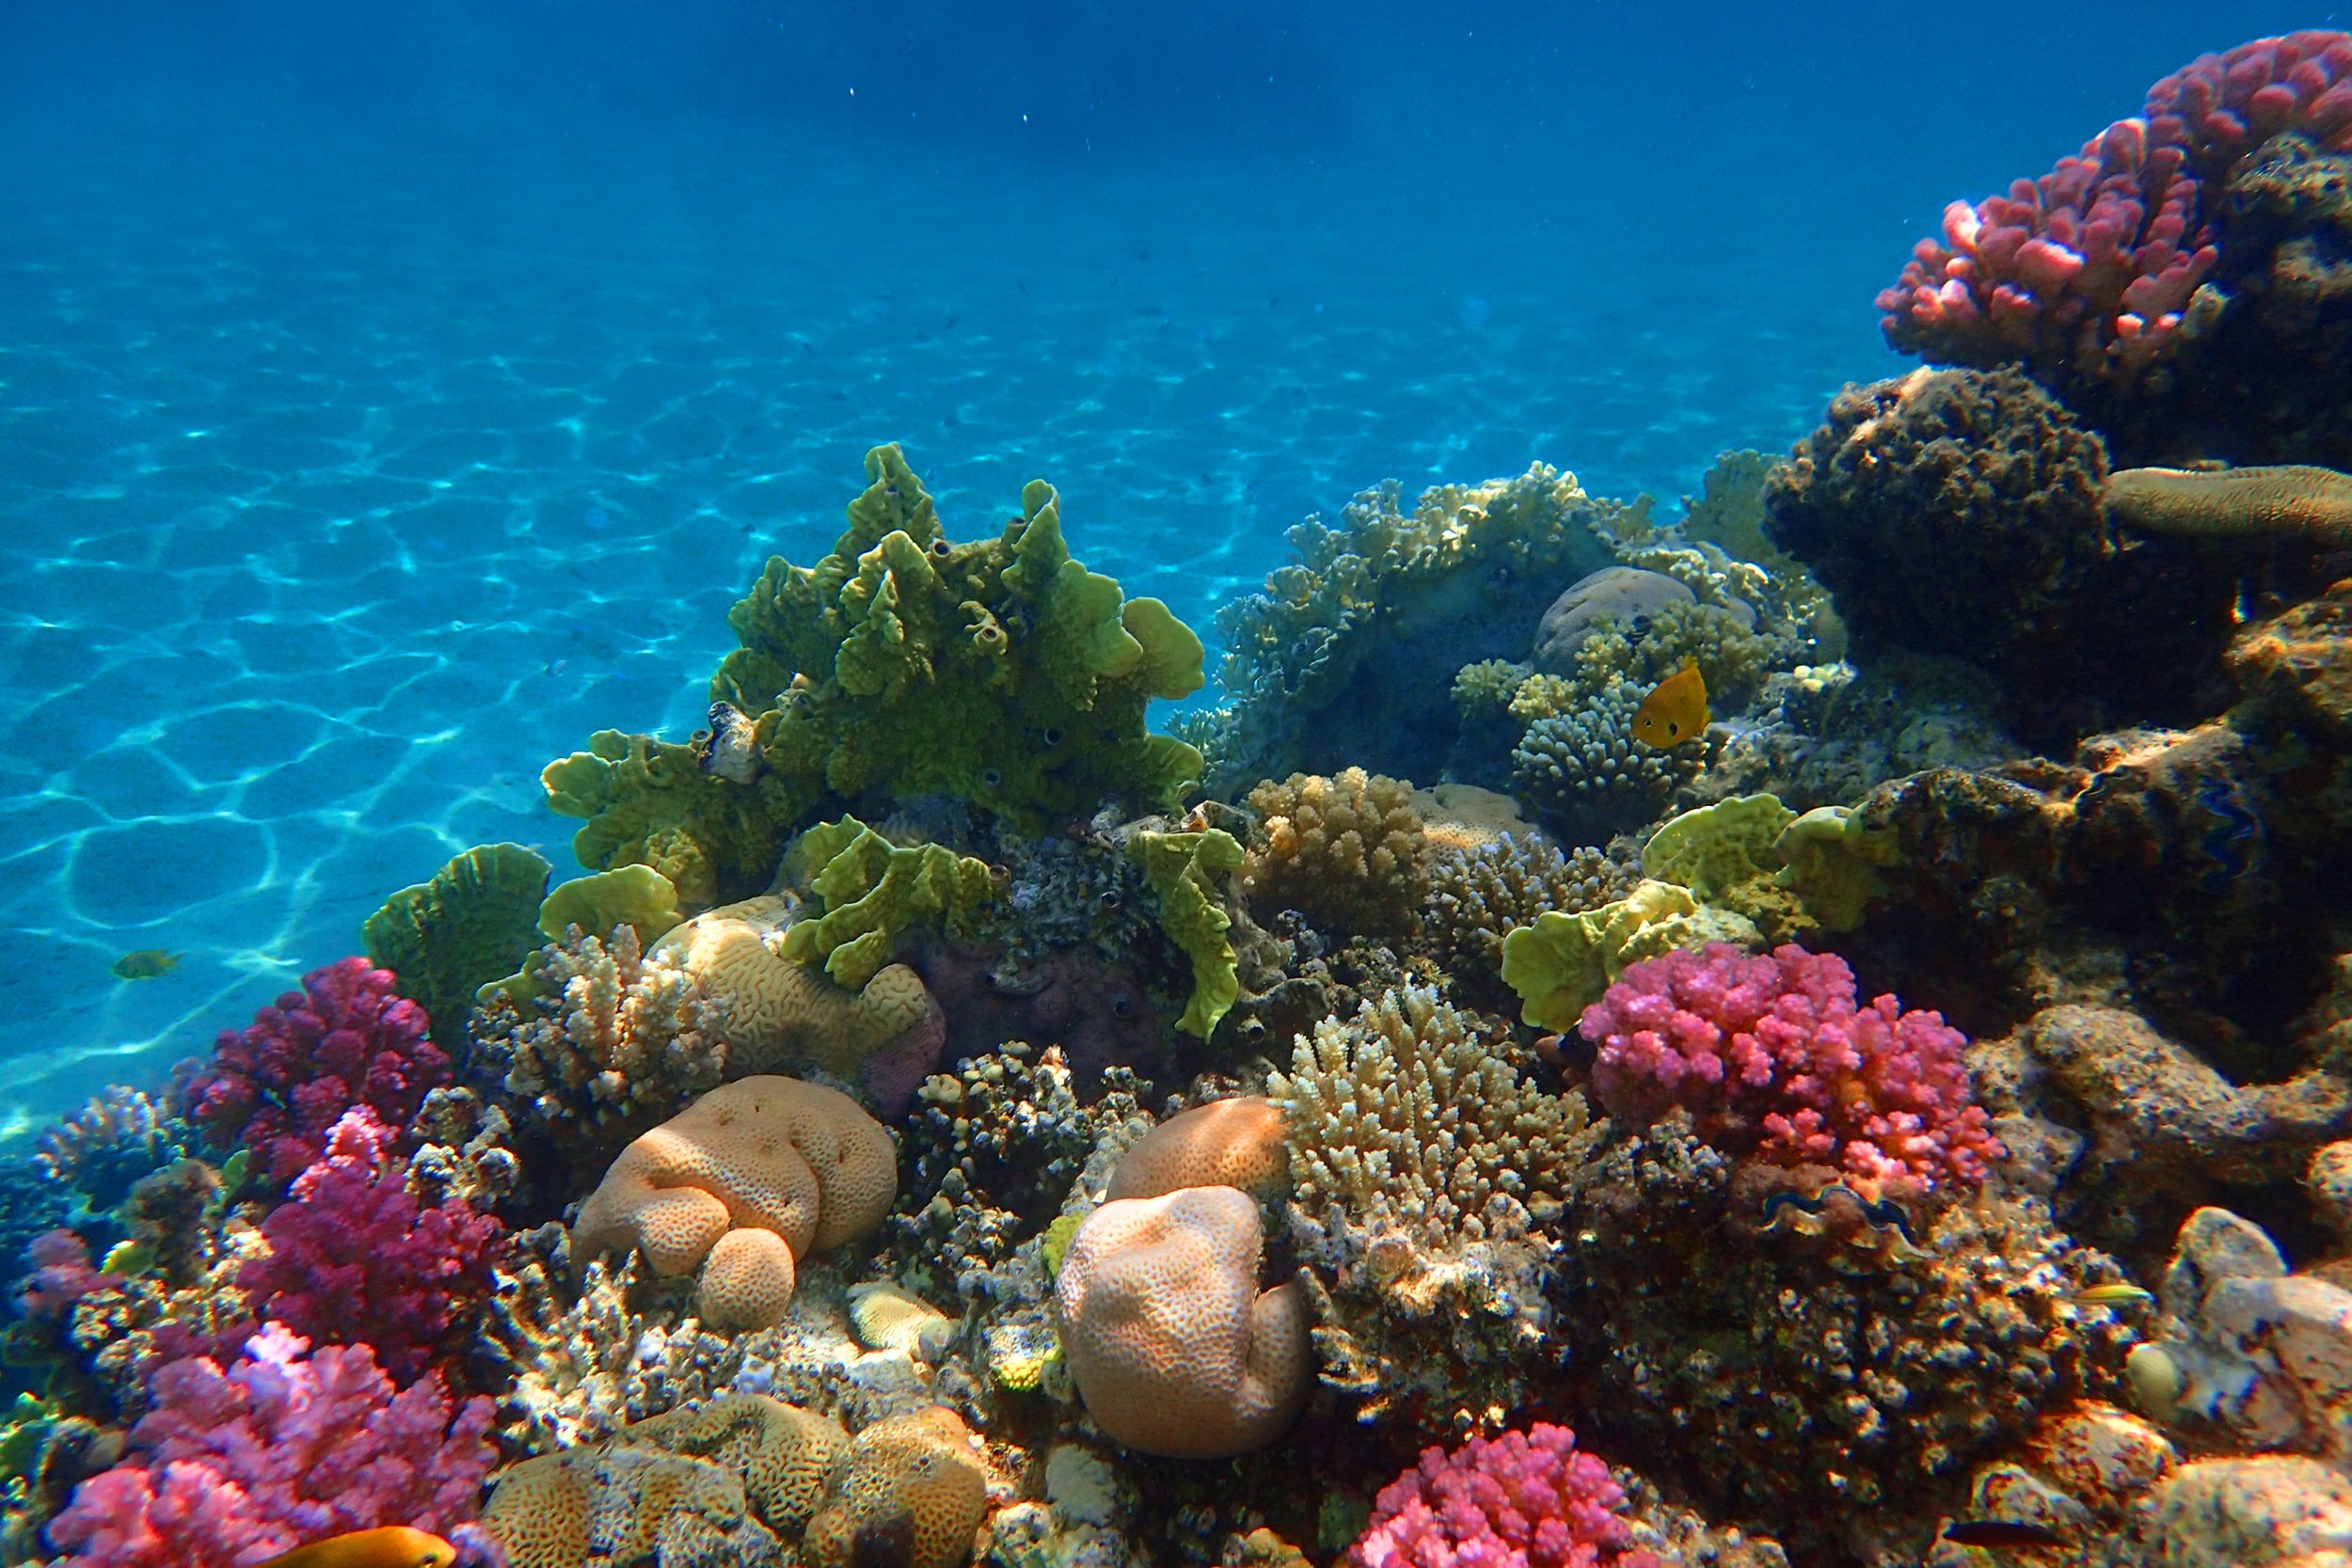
x=1174, y=1347
x=1226, y=1143
x=914, y=1494
x=799, y=1161
x=1346, y=852
x=1960, y=513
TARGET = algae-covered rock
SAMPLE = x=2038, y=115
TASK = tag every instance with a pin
x=1563, y=964
x=1181, y=869
x=1001, y=672
x=472, y=923
x=871, y=890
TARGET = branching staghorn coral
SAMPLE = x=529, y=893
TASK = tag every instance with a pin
x=1425, y=1165
x=625, y=1042
x=1478, y=894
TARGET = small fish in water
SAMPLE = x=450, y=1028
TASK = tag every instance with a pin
x=1674, y=710
x=388, y=1546
x=2002, y=1533
x=147, y=964
x=2113, y=1296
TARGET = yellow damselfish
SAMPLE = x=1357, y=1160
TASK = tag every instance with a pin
x=1676, y=709
x=387, y=1546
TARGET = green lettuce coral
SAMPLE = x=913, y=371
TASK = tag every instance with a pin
x=1001, y=672
x=472, y=923
x=1562, y=963
x=1183, y=869
x=871, y=890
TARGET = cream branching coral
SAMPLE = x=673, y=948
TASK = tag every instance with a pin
x=617, y=1040
x=1424, y=1164
x=1346, y=852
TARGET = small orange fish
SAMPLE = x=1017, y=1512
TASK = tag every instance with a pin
x=1676, y=709
x=387, y=1546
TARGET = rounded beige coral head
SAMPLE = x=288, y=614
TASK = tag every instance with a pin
x=1174, y=1349
x=746, y=1282
x=915, y=1494
x=786, y=1456
x=773, y=1155
x=539, y=1512
x=1226, y=1143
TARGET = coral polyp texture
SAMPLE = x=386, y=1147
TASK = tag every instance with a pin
x=1774, y=1060
x=999, y=672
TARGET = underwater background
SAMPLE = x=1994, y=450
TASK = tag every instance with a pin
x=391, y=395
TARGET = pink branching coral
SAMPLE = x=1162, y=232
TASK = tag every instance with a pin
x=355, y=1259
x=1773, y=1058
x=1525, y=1499
x=231, y=1467
x=344, y=1040
x=2088, y=272
x=62, y=1274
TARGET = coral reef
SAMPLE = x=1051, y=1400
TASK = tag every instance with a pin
x=2273, y=503
x=1584, y=774
x=1426, y=1165
x=1183, y=869
x=1478, y=894
x=1562, y=963
x=1962, y=514
x=1173, y=1346
x=282, y=1446
x=999, y=672
x=356, y=1259
x=444, y=940
x=346, y=1040
x=1525, y=1498
x=1347, y=852
x=740, y=1186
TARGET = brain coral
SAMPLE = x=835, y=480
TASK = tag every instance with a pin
x=777, y=1013
x=774, y=1155
x=1226, y=1143
x=916, y=1494
x=1960, y=513
x=1174, y=1347
x=1347, y=852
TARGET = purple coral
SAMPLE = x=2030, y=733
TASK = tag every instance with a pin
x=61, y=1274
x=1773, y=1058
x=355, y=1258
x=284, y=1447
x=1525, y=1499
x=347, y=1038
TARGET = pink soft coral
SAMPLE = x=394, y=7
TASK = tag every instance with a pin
x=355, y=1258
x=1773, y=1058
x=231, y=1467
x=1520, y=1500
x=2086, y=274
x=347, y=1038
x=61, y=1274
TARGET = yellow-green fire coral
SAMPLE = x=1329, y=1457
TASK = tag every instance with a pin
x=999, y=672
x=1183, y=869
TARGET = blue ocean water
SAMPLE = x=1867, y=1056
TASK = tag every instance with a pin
x=392, y=396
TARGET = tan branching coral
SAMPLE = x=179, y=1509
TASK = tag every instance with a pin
x=1479, y=895
x=1425, y=1163
x=1174, y=1347
x=1347, y=852
x=747, y=1180
x=617, y=1040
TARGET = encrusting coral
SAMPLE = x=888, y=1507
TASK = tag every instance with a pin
x=999, y=672
x=741, y=1184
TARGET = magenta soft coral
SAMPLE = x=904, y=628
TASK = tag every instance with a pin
x=347, y=1038
x=1773, y=1059
x=355, y=1258
x=283, y=1446
x=2088, y=273
x=1525, y=1499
